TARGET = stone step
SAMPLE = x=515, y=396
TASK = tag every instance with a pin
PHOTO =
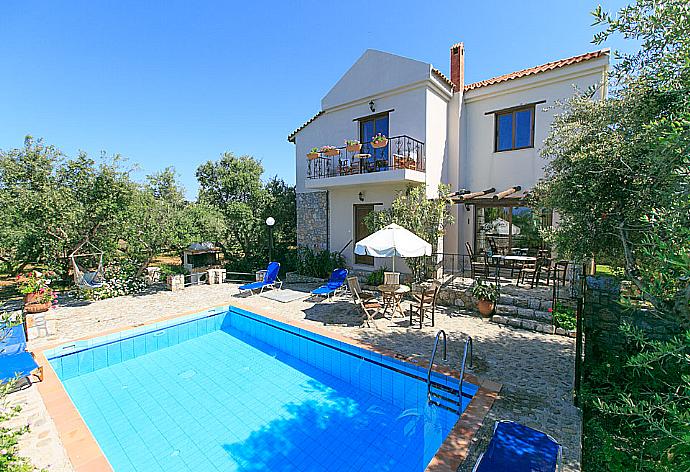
x=524, y=324
x=524, y=313
x=524, y=302
x=531, y=325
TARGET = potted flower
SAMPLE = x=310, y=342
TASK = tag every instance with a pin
x=379, y=141
x=38, y=296
x=486, y=295
x=313, y=153
x=329, y=151
x=352, y=145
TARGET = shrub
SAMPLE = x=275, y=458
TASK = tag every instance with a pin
x=120, y=279
x=171, y=269
x=637, y=407
x=317, y=263
x=564, y=317
x=376, y=277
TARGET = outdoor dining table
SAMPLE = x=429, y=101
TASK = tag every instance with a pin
x=500, y=257
x=393, y=294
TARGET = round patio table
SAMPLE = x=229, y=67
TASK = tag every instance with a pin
x=393, y=295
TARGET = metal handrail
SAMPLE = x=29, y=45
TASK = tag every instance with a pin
x=462, y=369
x=431, y=361
x=330, y=166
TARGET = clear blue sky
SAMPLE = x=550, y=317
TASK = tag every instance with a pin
x=179, y=82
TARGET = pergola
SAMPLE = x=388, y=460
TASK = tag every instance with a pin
x=512, y=196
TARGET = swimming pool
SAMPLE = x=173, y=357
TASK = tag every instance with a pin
x=227, y=389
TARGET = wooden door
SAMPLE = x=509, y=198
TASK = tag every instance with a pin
x=361, y=231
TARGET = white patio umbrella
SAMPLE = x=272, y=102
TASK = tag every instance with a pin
x=391, y=241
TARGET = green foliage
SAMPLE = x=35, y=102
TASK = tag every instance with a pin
x=233, y=187
x=620, y=167
x=425, y=217
x=619, y=177
x=637, y=407
x=49, y=204
x=171, y=269
x=121, y=278
x=564, y=317
x=485, y=291
x=376, y=277
x=317, y=263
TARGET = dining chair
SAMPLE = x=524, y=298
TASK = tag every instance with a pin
x=478, y=263
x=366, y=302
x=560, y=272
x=425, y=303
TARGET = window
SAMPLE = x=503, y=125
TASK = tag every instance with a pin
x=373, y=125
x=501, y=229
x=514, y=129
x=369, y=127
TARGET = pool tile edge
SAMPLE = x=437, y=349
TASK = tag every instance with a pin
x=82, y=449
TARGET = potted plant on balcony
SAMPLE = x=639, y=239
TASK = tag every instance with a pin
x=38, y=296
x=379, y=141
x=329, y=151
x=486, y=295
x=313, y=153
x=352, y=145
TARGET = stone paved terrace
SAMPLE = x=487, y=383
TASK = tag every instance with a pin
x=536, y=369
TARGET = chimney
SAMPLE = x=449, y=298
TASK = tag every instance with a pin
x=457, y=66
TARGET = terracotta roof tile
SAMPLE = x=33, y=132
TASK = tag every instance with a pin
x=535, y=70
x=291, y=136
x=440, y=75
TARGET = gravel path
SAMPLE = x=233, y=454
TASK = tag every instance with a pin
x=536, y=370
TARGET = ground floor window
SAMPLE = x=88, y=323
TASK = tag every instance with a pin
x=501, y=229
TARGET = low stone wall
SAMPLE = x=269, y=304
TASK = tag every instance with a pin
x=295, y=278
x=456, y=296
x=604, y=314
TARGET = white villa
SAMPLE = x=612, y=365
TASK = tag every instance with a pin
x=482, y=139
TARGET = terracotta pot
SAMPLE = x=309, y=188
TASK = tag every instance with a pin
x=353, y=147
x=379, y=144
x=485, y=307
x=312, y=155
x=32, y=306
x=332, y=152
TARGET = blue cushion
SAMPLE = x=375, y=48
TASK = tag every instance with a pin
x=324, y=290
x=517, y=448
x=253, y=285
x=12, y=340
x=11, y=366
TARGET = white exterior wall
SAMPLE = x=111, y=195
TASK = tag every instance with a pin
x=335, y=125
x=481, y=167
x=342, y=219
x=457, y=132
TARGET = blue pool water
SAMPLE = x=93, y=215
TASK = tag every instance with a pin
x=229, y=390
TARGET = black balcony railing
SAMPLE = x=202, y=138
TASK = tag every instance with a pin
x=401, y=152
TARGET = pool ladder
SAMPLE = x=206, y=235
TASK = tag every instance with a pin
x=443, y=395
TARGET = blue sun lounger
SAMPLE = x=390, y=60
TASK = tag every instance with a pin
x=517, y=448
x=335, y=282
x=270, y=280
x=15, y=361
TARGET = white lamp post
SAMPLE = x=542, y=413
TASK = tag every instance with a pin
x=270, y=221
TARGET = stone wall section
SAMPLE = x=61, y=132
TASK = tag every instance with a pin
x=312, y=220
x=604, y=314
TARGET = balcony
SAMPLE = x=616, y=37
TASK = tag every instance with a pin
x=402, y=159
